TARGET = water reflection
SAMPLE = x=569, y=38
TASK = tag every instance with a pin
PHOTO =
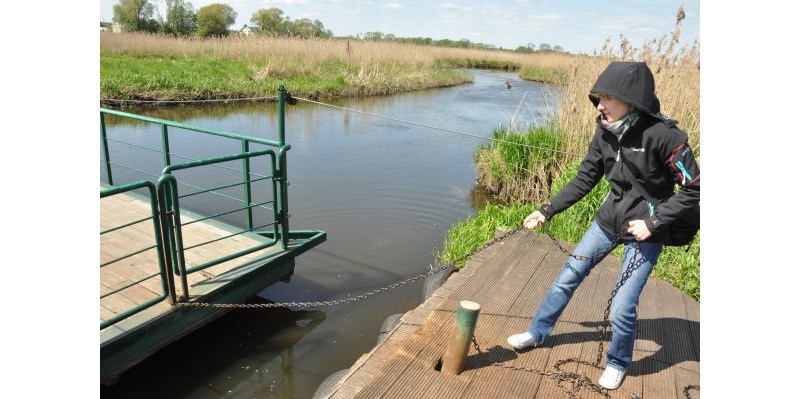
x=246, y=353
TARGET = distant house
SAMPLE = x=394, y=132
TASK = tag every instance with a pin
x=109, y=27
x=249, y=30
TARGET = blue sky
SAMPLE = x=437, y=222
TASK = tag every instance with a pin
x=575, y=25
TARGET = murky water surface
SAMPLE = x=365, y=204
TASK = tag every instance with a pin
x=385, y=191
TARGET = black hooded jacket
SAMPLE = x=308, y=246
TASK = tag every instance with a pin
x=654, y=147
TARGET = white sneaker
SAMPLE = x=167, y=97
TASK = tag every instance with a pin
x=611, y=378
x=522, y=341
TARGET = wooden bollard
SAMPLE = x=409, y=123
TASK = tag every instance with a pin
x=456, y=354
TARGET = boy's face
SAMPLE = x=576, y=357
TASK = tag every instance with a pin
x=612, y=108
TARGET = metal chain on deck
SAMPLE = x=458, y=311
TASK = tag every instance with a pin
x=351, y=299
x=579, y=380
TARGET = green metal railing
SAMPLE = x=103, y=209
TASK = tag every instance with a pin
x=166, y=286
x=165, y=196
x=169, y=204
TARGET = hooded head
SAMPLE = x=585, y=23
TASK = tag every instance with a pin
x=630, y=82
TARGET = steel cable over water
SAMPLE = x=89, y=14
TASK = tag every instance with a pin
x=559, y=376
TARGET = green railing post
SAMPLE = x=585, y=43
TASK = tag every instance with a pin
x=281, y=120
x=284, y=192
x=167, y=288
x=165, y=144
x=248, y=197
x=105, y=147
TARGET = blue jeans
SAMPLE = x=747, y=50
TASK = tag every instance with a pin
x=623, y=307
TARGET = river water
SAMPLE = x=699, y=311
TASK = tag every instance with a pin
x=385, y=192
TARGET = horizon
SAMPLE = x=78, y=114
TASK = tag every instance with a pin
x=577, y=26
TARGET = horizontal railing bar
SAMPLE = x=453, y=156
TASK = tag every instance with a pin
x=226, y=213
x=134, y=169
x=221, y=187
x=212, y=192
x=193, y=128
x=132, y=311
x=130, y=285
x=210, y=161
x=229, y=236
x=178, y=156
x=127, y=224
x=231, y=256
x=129, y=255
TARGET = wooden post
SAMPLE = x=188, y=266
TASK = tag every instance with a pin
x=456, y=354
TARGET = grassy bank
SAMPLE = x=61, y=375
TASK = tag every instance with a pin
x=169, y=77
x=147, y=66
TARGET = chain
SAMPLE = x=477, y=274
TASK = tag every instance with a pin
x=558, y=376
x=351, y=299
x=579, y=380
x=687, y=388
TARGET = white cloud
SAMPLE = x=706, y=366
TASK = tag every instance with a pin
x=394, y=6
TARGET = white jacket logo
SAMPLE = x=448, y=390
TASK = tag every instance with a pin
x=637, y=149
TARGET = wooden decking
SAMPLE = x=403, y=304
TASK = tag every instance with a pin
x=122, y=209
x=509, y=280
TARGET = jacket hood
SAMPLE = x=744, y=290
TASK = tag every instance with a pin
x=631, y=82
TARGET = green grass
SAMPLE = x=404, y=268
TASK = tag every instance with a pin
x=464, y=237
x=544, y=75
x=126, y=76
x=481, y=64
x=515, y=166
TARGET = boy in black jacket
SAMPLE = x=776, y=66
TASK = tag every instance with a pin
x=630, y=127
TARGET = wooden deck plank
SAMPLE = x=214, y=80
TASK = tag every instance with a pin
x=491, y=332
x=486, y=281
x=402, y=358
x=684, y=378
x=509, y=282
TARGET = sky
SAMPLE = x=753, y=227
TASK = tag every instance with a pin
x=578, y=26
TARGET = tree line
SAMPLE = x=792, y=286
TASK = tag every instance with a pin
x=463, y=43
x=181, y=19
x=215, y=20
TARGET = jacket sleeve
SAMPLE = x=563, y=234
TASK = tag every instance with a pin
x=686, y=174
x=589, y=174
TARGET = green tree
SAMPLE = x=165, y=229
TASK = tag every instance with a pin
x=523, y=50
x=181, y=18
x=373, y=36
x=545, y=47
x=305, y=28
x=133, y=15
x=214, y=20
x=270, y=20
